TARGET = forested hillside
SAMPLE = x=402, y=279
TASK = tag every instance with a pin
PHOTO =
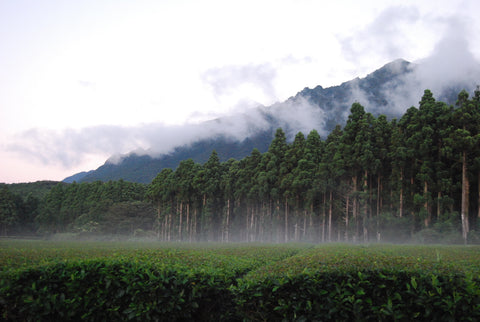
x=374, y=179
x=115, y=207
x=143, y=168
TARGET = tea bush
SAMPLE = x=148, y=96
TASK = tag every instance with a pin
x=231, y=282
x=114, y=290
x=339, y=283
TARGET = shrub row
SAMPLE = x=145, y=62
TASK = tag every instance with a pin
x=366, y=295
x=235, y=283
x=127, y=281
x=114, y=290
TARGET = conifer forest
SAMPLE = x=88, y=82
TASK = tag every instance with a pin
x=416, y=178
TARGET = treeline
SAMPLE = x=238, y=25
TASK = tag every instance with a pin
x=372, y=180
x=86, y=209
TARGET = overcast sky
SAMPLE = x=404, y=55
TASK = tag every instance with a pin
x=83, y=80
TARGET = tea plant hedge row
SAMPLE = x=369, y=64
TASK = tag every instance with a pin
x=116, y=290
x=126, y=281
x=240, y=282
x=340, y=283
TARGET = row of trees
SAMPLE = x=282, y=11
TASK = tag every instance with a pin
x=17, y=213
x=115, y=207
x=111, y=207
x=374, y=179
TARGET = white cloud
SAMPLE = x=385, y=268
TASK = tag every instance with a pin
x=383, y=38
x=71, y=68
x=69, y=148
x=228, y=79
x=450, y=62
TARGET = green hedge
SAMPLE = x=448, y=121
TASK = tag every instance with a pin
x=361, y=296
x=113, y=290
x=239, y=283
x=108, y=290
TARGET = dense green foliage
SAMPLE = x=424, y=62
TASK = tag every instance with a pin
x=114, y=207
x=118, y=281
x=416, y=178
x=37, y=189
x=339, y=282
x=250, y=282
x=19, y=205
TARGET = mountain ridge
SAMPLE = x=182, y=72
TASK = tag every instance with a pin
x=378, y=92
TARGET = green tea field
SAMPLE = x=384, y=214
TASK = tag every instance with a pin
x=92, y=281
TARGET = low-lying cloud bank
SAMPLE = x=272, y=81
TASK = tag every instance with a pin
x=69, y=147
x=450, y=67
x=451, y=63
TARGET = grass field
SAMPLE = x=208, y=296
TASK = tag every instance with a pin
x=150, y=281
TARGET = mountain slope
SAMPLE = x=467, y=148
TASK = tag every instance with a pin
x=368, y=91
x=77, y=177
x=143, y=168
x=389, y=90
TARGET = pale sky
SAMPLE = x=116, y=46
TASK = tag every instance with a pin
x=81, y=81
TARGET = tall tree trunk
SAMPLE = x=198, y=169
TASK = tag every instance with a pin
x=465, y=195
x=478, y=197
x=279, y=221
x=270, y=217
x=286, y=219
x=227, y=221
x=401, y=194
x=168, y=224
x=164, y=227
x=379, y=193
x=365, y=207
x=261, y=226
x=425, y=205
x=304, y=224
x=187, y=224
x=158, y=221
x=330, y=210
x=193, y=231
x=247, y=226
x=379, y=205
x=323, y=215
x=354, y=209
x=347, y=205
x=252, y=225
x=310, y=223
x=180, y=221
x=439, y=204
